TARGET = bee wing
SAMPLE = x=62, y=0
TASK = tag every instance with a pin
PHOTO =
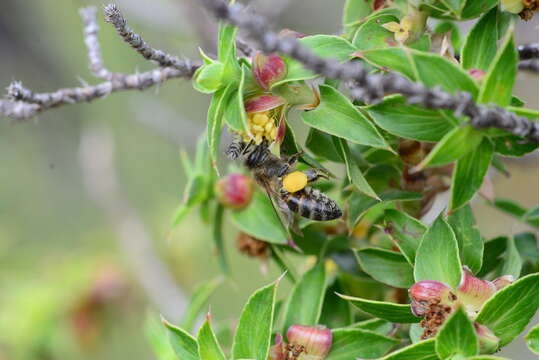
x=285, y=215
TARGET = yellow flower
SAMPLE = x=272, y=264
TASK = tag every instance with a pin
x=401, y=30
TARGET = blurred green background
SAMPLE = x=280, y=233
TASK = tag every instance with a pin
x=67, y=289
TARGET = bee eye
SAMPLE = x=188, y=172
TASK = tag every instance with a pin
x=295, y=181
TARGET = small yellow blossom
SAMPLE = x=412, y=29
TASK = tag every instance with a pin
x=262, y=126
x=513, y=6
x=401, y=30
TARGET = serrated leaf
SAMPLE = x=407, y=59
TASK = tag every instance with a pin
x=468, y=237
x=356, y=343
x=437, y=257
x=388, y=267
x=411, y=122
x=509, y=311
x=305, y=304
x=197, y=302
x=454, y=145
x=469, y=173
x=532, y=339
x=399, y=313
x=185, y=346
x=405, y=231
x=457, y=337
x=260, y=220
x=329, y=46
x=252, y=339
x=423, y=350
x=208, y=346
x=497, y=87
x=481, y=43
x=336, y=115
x=352, y=168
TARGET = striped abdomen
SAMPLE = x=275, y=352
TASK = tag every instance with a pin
x=312, y=204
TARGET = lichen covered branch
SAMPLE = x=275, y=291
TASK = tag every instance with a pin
x=372, y=87
x=22, y=103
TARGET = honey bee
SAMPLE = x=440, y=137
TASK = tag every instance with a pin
x=286, y=187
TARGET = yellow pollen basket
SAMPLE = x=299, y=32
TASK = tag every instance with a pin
x=295, y=181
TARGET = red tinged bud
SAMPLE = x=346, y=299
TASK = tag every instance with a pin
x=314, y=341
x=263, y=103
x=503, y=281
x=268, y=69
x=427, y=292
x=234, y=191
x=488, y=342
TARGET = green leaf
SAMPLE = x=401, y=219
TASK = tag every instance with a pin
x=208, y=346
x=198, y=301
x=431, y=69
x=329, y=46
x=215, y=121
x=457, y=337
x=532, y=339
x=260, y=220
x=473, y=9
x=321, y=145
x=513, y=146
x=372, y=35
x=305, y=304
x=486, y=357
x=492, y=253
x=481, y=43
x=454, y=145
x=195, y=193
x=217, y=235
x=405, y=231
x=386, y=266
x=336, y=312
x=468, y=237
x=509, y=311
x=207, y=79
x=356, y=343
x=185, y=346
x=423, y=350
x=497, y=86
x=398, y=313
x=437, y=257
x=354, y=11
x=469, y=173
x=226, y=50
x=378, y=326
x=235, y=115
x=352, y=168
x=157, y=336
x=510, y=207
x=252, y=339
x=359, y=203
x=411, y=122
x=512, y=262
x=295, y=71
x=416, y=332
x=336, y=115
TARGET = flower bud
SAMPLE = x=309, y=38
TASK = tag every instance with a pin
x=277, y=352
x=314, y=341
x=488, y=342
x=427, y=292
x=474, y=292
x=503, y=281
x=234, y=191
x=268, y=69
x=513, y=6
x=263, y=103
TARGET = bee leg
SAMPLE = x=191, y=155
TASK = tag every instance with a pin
x=315, y=174
x=292, y=159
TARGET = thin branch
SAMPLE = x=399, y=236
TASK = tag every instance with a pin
x=22, y=103
x=529, y=65
x=528, y=51
x=373, y=87
x=114, y=16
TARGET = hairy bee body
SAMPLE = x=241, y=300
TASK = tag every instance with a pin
x=269, y=170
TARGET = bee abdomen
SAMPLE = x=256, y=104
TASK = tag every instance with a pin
x=312, y=204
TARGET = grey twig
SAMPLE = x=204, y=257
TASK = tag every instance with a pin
x=244, y=47
x=372, y=87
x=114, y=16
x=22, y=103
x=531, y=65
x=528, y=51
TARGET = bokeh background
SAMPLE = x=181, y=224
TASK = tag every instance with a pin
x=69, y=286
